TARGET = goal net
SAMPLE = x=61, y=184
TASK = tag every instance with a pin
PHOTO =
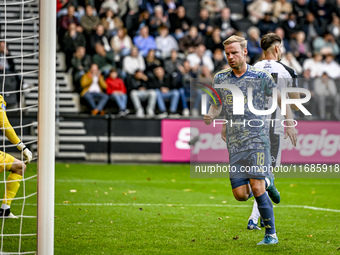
x=20, y=74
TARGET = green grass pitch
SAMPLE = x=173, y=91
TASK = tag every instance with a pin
x=159, y=209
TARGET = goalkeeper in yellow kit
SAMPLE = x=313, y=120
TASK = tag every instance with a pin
x=9, y=163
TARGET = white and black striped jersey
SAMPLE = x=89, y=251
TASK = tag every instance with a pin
x=284, y=77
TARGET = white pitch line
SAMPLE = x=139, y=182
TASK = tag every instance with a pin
x=195, y=205
x=193, y=182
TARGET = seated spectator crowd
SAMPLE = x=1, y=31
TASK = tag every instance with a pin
x=140, y=56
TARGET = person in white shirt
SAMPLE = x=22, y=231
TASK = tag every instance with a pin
x=198, y=59
x=289, y=60
x=133, y=62
x=165, y=42
x=331, y=67
x=325, y=91
x=314, y=65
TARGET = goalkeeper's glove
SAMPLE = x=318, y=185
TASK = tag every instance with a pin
x=25, y=151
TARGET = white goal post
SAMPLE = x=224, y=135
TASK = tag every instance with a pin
x=46, y=126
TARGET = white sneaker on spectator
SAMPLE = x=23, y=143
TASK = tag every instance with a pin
x=194, y=112
x=162, y=115
x=174, y=115
x=150, y=112
x=140, y=113
x=121, y=113
x=186, y=112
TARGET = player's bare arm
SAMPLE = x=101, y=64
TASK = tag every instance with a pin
x=224, y=132
x=290, y=129
x=213, y=113
x=294, y=95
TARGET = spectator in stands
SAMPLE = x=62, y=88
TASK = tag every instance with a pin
x=266, y=25
x=93, y=85
x=65, y=21
x=111, y=23
x=311, y=27
x=331, y=67
x=214, y=41
x=253, y=46
x=104, y=59
x=165, y=42
x=334, y=28
x=204, y=23
x=219, y=60
x=151, y=61
x=213, y=6
x=336, y=7
x=172, y=63
x=144, y=41
x=144, y=20
x=300, y=48
x=121, y=43
x=111, y=5
x=165, y=90
x=291, y=26
x=140, y=90
x=72, y=39
x=117, y=91
x=170, y=6
x=322, y=11
x=205, y=74
x=80, y=63
x=326, y=44
x=226, y=25
x=128, y=12
x=289, y=60
x=258, y=8
x=185, y=76
x=314, y=64
x=189, y=42
x=159, y=19
x=78, y=5
x=285, y=42
x=6, y=61
x=325, y=91
x=179, y=22
x=133, y=62
x=308, y=83
x=89, y=22
x=198, y=59
x=300, y=9
x=100, y=37
x=281, y=9
x=10, y=83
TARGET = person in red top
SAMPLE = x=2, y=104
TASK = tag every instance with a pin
x=117, y=91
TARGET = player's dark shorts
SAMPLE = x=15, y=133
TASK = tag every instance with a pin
x=250, y=164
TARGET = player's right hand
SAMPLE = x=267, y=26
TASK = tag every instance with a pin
x=28, y=155
x=25, y=151
x=208, y=119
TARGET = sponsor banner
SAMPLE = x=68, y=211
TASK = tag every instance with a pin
x=318, y=142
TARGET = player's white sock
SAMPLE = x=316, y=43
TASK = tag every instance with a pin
x=5, y=207
x=272, y=235
x=255, y=214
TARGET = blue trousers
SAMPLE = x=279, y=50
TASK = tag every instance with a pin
x=185, y=94
x=121, y=100
x=173, y=95
x=96, y=100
